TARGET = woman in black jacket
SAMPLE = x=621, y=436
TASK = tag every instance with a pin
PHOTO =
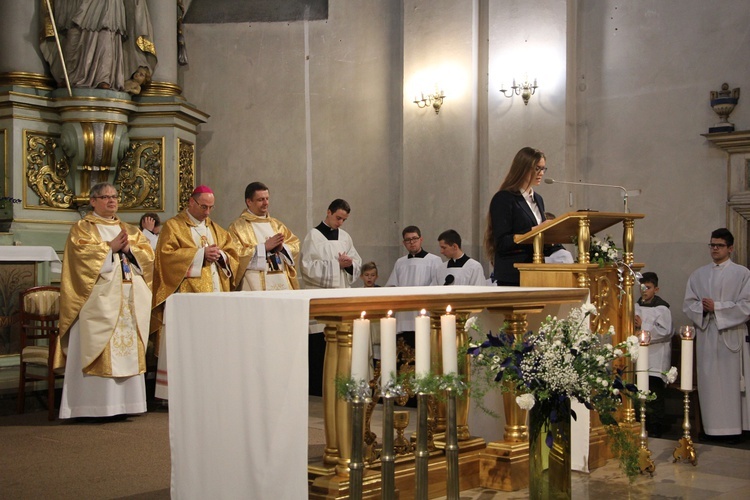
x=515, y=209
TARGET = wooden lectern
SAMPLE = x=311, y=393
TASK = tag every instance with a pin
x=611, y=291
x=610, y=286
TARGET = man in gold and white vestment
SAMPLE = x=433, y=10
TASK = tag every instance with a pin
x=105, y=304
x=193, y=254
x=268, y=249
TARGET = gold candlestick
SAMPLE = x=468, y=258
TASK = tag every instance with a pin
x=644, y=455
x=685, y=451
x=451, y=446
x=422, y=453
x=357, y=464
x=387, y=457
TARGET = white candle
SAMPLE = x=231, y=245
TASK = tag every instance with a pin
x=387, y=350
x=448, y=335
x=361, y=349
x=686, y=366
x=422, y=345
x=642, y=370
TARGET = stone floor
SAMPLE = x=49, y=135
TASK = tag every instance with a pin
x=721, y=472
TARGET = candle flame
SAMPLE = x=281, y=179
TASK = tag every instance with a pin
x=390, y=313
x=423, y=312
x=448, y=310
x=644, y=336
x=362, y=316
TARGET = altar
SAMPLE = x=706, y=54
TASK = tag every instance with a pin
x=238, y=377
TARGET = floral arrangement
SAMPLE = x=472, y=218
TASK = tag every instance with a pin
x=603, y=251
x=563, y=361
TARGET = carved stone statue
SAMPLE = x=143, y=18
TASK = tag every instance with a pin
x=101, y=41
x=138, y=80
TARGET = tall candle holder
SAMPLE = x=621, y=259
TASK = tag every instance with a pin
x=451, y=446
x=644, y=454
x=357, y=464
x=387, y=456
x=357, y=394
x=390, y=392
x=645, y=464
x=685, y=450
x=422, y=452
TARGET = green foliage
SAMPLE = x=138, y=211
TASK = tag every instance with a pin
x=624, y=445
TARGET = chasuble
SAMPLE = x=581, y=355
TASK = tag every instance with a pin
x=259, y=270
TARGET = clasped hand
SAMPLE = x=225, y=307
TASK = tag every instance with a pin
x=344, y=261
x=274, y=243
x=708, y=305
x=120, y=243
x=211, y=253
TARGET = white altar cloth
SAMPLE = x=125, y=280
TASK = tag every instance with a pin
x=31, y=254
x=238, y=401
x=238, y=395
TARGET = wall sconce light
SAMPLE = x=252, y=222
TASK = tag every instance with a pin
x=436, y=99
x=525, y=90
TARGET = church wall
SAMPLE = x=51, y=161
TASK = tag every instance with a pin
x=645, y=72
x=312, y=129
x=622, y=99
x=439, y=180
x=527, y=41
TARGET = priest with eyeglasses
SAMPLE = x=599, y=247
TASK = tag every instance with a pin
x=193, y=254
x=105, y=304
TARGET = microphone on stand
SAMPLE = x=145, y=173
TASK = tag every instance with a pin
x=449, y=280
x=625, y=192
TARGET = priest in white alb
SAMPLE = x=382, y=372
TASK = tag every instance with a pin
x=268, y=249
x=329, y=259
x=717, y=301
x=460, y=269
x=416, y=268
x=105, y=304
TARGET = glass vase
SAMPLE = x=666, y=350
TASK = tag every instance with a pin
x=549, y=468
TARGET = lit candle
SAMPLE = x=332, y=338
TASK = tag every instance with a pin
x=448, y=334
x=687, y=333
x=641, y=366
x=422, y=344
x=361, y=349
x=387, y=350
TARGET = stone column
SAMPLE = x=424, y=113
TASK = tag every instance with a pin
x=21, y=62
x=164, y=81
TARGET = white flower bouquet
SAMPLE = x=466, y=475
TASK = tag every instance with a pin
x=564, y=360
x=603, y=251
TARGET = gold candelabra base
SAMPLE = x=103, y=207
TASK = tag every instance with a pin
x=645, y=464
x=685, y=450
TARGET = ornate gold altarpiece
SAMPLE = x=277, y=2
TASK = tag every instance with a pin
x=329, y=479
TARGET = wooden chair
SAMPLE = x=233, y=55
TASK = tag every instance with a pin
x=40, y=311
